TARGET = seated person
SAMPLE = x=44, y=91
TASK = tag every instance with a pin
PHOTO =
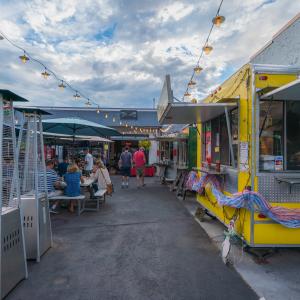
x=73, y=178
x=100, y=175
x=53, y=182
x=63, y=167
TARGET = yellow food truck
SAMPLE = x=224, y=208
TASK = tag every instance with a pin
x=249, y=138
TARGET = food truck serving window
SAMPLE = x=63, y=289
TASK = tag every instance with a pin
x=216, y=144
x=279, y=136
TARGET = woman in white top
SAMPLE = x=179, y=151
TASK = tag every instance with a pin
x=100, y=175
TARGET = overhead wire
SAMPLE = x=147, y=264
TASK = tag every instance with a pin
x=54, y=74
x=202, y=50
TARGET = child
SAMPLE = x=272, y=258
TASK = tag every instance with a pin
x=73, y=178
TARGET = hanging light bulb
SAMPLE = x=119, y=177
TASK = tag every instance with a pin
x=218, y=20
x=198, y=69
x=45, y=74
x=131, y=127
x=88, y=103
x=98, y=110
x=106, y=116
x=207, y=49
x=24, y=58
x=114, y=119
x=76, y=96
x=61, y=85
x=191, y=84
x=120, y=123
x=126, y=125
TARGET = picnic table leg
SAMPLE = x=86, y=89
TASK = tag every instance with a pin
x=78, y=207
x=98, y=204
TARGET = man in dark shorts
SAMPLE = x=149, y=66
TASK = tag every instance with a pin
x=125, y=164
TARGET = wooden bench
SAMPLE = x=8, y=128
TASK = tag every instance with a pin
x=80, y=201
x=99, y=197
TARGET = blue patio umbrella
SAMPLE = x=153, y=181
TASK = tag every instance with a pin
x=77, y=126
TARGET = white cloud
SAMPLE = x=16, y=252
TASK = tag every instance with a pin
x=117, y=52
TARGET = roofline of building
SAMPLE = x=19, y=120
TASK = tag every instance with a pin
x=90, y=108
x=281, y=30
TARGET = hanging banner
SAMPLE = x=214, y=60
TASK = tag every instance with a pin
x=208, y=143
x=244, y=156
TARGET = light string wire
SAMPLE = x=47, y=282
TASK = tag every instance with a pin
x=57, y=77
x=205, y=44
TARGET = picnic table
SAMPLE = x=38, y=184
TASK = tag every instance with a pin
x=82, y=199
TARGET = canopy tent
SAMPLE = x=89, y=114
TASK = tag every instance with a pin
x=77, y=137
x=290, y=91
x=77, y=126
x=187, y=113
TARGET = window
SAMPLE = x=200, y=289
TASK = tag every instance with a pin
x=128, y=115
x=279, y=136
x=215, y=139
x=271, y=135
x=293, y=135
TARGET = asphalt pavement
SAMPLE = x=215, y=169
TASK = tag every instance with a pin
x=143, y=244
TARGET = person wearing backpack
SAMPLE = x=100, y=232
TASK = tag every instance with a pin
x=125, y=164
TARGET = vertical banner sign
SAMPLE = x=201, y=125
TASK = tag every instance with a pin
x=208, y=142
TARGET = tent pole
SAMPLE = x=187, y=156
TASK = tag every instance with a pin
x=229, y=136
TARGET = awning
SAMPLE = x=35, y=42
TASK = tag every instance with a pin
x=188, y=113
x=290, y=91
x=76, y=137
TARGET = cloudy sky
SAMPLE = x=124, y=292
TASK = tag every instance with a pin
x=117, y=52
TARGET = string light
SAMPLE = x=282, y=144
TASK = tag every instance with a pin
x=62, y=86
x=45, y=74
x=24, y=58
x=218, y=20
x=88, y=103
x=207, y=49
x=106, y=116
x=98, y=110
x=191, y=84
x=198, y=69
x=114, y=119
x=76, y=95
x=62, y=83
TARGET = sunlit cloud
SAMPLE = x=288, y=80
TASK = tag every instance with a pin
x=118, y=52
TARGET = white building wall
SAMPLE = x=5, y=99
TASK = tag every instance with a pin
x=284, y=49
x=153, y=152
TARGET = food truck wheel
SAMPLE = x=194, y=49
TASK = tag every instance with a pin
x=200, y=213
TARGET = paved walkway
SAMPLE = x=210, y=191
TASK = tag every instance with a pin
x=142, y=245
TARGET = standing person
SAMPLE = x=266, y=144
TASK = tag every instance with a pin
x=139, y=161
x=125, y=163
x=89, y=162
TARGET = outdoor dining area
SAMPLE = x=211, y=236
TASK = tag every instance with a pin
x=30, y=186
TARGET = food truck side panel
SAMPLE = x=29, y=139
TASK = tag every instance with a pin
x=256, y=230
